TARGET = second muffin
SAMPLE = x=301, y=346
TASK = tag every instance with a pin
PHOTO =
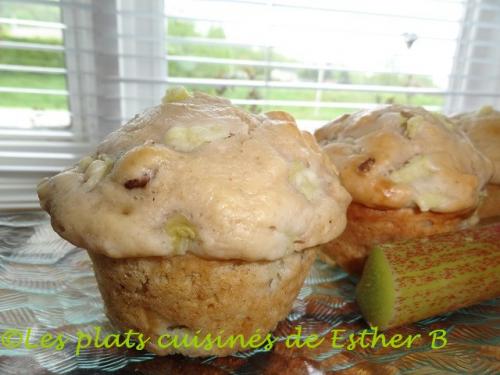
x=410, y=173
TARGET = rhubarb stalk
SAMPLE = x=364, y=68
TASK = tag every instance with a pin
x=411, y=280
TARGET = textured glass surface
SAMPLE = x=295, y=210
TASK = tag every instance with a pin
x=48, y=285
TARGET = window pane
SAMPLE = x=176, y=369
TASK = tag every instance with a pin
x=33, y=87
x=323, y=57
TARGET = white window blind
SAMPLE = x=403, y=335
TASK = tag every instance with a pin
x=38, y=135
x=104, y=61
x=80, y=49
x=476, y=66
x=318, y=59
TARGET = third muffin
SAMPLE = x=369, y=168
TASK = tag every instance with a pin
x=483, y=128
x=410, y=172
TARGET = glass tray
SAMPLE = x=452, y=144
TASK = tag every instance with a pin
x=48, y=285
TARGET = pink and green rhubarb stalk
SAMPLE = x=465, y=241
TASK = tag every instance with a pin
x=411, y=280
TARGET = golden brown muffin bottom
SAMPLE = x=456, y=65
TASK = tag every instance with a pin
x=367, y=227
x=490, y=206
x=184, y=294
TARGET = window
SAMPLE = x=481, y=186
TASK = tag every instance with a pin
x=32, y=67
x=315, y=59
x=36, y=133
x=73, y=70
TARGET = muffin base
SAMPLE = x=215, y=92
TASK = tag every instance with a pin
x=490, y=206
x=185, y=294
x=367, y=227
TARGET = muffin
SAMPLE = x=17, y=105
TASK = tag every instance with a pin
x=483, y=128
x=410, y=173
x=200, y=218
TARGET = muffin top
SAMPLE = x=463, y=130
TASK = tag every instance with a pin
x=401, y=156
x=483, y=128
x=200, y=175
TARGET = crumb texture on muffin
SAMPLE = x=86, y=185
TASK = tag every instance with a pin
x=490, y=204
x=367, y=227
x=483, y=128
x=199, y=174
x=405, y=157
x=185, y=294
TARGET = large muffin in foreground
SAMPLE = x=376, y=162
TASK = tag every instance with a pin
x=483, y=129
x=410, y=172
x=200, y=218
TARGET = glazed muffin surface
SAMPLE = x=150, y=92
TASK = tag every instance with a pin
x=483, y=128
x=411, y=173
x=200, y=175
x=405, y=157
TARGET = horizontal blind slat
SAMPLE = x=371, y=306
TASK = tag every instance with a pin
x=31, y=46
x=299, y=85
x=31, y=69
x=44, y=146
x=312, y=104
x=31, y=169
x=24, y=134
x=287, y=65
x=31, y=23
x=30, y=90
